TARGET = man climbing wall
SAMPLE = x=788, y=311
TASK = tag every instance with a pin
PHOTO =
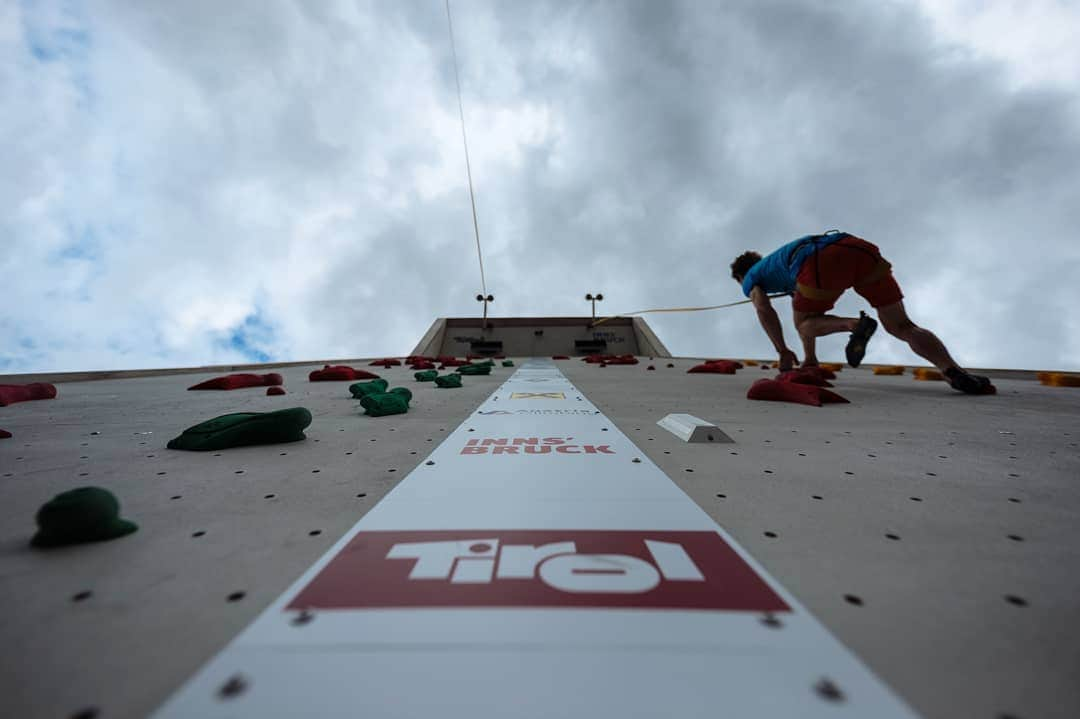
x=817, y=269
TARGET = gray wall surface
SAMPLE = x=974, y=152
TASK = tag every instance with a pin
x=933, y=533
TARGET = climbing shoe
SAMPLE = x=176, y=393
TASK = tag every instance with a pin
x=856, y=346
x=969, y=383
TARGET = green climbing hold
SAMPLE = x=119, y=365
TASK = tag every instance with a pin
x=402, y=392
x=474, y=369
x=485, y=363
x=363, y=389
x=426, y=376
x=380, y=405
x=86, y=514
x=508, y=363
x=448, y=380
x=244, y=428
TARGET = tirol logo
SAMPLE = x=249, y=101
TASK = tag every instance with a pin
x=540, y=568
x=537, y=395
x=532, y=445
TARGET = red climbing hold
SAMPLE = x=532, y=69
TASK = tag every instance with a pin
x=340, y=372
x=800, y=376
x=451, y=362
x=272, y=391
x=738, y=365
x=4, y=434
x=559, y=357
x=822, y=372
x=413, y=359
x=387, y=362
x=12, y=393
x=240, y=381
x=714, y=367
x=422, y=365
x=609, y=359
x=776, y=391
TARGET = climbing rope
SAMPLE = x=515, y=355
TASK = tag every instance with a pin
x=465, y=142
x=683, y=309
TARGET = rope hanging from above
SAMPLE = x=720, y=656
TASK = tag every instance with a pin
x=465, y=143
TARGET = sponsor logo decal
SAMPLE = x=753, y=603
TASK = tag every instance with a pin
x=543, y=412
x=537, y=395
x=532, y=445
x=541, y=568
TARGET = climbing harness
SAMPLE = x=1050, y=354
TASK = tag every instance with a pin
x=465, y=143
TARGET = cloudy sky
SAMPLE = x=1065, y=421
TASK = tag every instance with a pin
x=214, y=182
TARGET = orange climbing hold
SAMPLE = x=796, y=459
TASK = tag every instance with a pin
x=889, y=369
x=1060, y=379
x=929, y=375
x=751, y=363
x=834, y=366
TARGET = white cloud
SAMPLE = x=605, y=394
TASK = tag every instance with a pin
x=179, y=175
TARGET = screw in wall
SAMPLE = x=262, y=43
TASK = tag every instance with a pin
x=304, y=617
x=234, y=687
x=828, y=691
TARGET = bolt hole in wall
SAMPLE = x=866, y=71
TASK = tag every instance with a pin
x=87, y=713
x=82, y=596
x=235, y=596
x=853, y=599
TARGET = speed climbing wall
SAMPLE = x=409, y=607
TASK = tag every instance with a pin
x=921, y=534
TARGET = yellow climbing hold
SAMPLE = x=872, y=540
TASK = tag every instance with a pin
x=929, y=375
x=834, y=366
x=889, y=369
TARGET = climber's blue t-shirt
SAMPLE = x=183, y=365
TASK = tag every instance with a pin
x=775, y=273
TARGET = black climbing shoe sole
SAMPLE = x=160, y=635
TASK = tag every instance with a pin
x=969, y=383
x=856, y=346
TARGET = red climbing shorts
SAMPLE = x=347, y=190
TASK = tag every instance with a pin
x=848, y=262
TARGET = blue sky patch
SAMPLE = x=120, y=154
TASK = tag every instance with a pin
x=252, y=338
